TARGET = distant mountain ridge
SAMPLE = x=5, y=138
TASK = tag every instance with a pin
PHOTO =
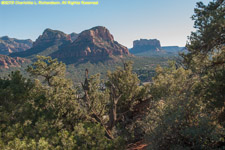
x=11, y=45
x=94, y=44
x=47, y=43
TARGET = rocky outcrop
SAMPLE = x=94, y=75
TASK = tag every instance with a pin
x=51, y=37
x=93, y=44
x=144, y=45
x=47, y=43
x=11, y=45
x=7, y=62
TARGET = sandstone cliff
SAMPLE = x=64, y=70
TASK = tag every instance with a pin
x=143, y=45
x=93, y=44
x=7, y=62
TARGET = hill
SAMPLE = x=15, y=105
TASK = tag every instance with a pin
x=152, y=47
x=47, y=43
x=95, y=44
x=12, y=45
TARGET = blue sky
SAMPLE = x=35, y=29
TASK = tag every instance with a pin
x=128, y=20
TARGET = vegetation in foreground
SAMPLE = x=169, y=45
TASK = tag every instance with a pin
x=183, y=108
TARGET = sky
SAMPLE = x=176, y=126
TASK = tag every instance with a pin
x=166, y=20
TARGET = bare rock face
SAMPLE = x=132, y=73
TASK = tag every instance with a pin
x=144, y=45
x=50, y=36
x=7, y=62
x=11, y=45
x=93, y=44
x=96, y=44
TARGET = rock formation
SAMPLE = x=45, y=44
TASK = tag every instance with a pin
x=7, y=62
x=96, y=44
x=51, y=37
x=144, y=45
x=11, y=45
x=47, y=43
x=93, y=44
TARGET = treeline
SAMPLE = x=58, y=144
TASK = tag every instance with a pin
x=183, y=107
